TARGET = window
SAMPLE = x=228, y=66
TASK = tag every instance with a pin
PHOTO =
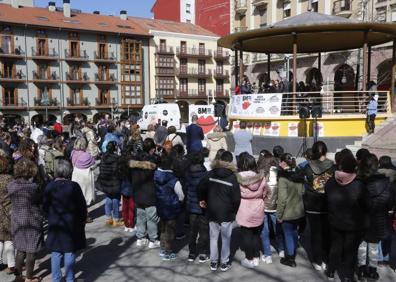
x=102, y=51
x=393, y=11
x=263, y=17
x=43, y=71
x=104, y=96
x=103, y=72
x=314, y=5
x=381, y=15
x=201, y=85
x=75, y=97
x=188, y=8
x=219, y=67
x=202, y=48
x=9, y=70
x=166, y=62
x=219, y=85
x=44, y=96
x=6, y=41
x=201, y=66
x=183, y=47
x=74, y=49
x=165, y=83
x=183, y=85
x=286, y=9
x=10, y=97
x=183, y=65
x=163, y=45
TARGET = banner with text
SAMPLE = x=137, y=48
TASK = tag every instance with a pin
x=206, y=118
x=256, y=106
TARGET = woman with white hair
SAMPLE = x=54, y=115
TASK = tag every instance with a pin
x=82, y=173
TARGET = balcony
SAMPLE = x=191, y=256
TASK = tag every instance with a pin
x=103, y=102
x=15, y=54
x=241, y=7
x=259, y=3
x=76, y=78
x=221, y=55
x=240, y=29
x=50, y=104
x=193, y=73
x=103, y=80
x=221, y=74
x=165, y=92
x=222, y=94
x=44, y=55
x=77, y=103
x=75, y=57
x=44, y=78
x=160, y=71
x=13, y=105
x=164, y=50
x=104, y=58
x=194, y=93
x=342, y=8
x=12, y=78
x=193, y=53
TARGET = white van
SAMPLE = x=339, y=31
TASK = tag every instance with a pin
x=151, y=114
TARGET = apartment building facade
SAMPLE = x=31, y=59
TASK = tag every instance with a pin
x=341, y=70
x=60, y=62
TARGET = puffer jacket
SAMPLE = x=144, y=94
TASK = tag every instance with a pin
x=272, y=190
x=216, y=141
x=109, y=178
x=142, y=178
x=220, y=190
x=290, y=190
x=253, y=189
x=168, y=205
x=194, y=175
x=316, y=174
x=379, y=200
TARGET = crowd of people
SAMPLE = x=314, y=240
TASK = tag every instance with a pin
x=163, y=182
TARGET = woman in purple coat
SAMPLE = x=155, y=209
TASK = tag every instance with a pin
x=26, y=217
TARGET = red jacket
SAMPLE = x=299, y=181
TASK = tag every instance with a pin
x=58, y=128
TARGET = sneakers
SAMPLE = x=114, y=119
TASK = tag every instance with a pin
x=203, y=258
x=130, y=230
x=282, y=254
x=225, y=266
x=256, y=261
x=162, y=253
x=191, y=257
x=154, y=245
x=141, y=242
x=266, y=259
x=213, y=266
x=109, y=221
x=288, y=261
x=324, y=266
x=317, y=267
x=247, y=263
x=329, y=275
x=168, y=257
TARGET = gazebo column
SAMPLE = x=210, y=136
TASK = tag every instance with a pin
x=240, y=65
x=393, y=73
x=365, y=62
x=320, y=62
x=294, y=74
x=269, y=67
x=369, y=64
x=236, y=68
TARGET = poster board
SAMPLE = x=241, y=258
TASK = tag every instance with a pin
x=255, y=106
x=206, y=118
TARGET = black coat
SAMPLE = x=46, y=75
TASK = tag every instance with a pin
x=194, y=175
x=66, y=211
x=345, y=204
x=220, y=190
x=142, y=178
x=109, y=175
x=379, y=200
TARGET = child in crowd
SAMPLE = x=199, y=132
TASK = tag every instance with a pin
x=219, y=193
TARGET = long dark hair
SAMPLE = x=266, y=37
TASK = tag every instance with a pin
x=266, y=162
x=288, y=159
x=368, y=166
x=319, y=149
x=246, y=162
x=346, y=161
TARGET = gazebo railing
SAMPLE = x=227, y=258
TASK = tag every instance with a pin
x=336, y=103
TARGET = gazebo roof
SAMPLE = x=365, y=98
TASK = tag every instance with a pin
x=313, y=32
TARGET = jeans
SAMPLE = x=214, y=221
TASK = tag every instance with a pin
x=384, y=249
x=320, y=242
x=199, y=226
x=251, y=241
x=343, y=251
x=7, y=249
x=270, y=224
x=112, y=207
x=371, y=123
x=215, y=229
x=128, y=211
x=168, y=235
x=291, y=236
x=368, y=254
x=146, y=222
x=69, y=261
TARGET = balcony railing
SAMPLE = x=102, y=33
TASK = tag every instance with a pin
x=103, y=79
x=104, y=57
x=41, y=54
x=195, y=93
x=240, y=29
x=221, y=55
x=16, y=53
x=165, y=71
x=342, y=8
x=17, y=77
x=194, y=52
x=221, y=73
x=194, y=72
x=75, y=56
x=164, y=50
x=44, y=77
x=260, y=2
x=222, y=93
x=241, y=6
x=103, y=102
x=75, y=103
x=75, y=77
x=38, y=102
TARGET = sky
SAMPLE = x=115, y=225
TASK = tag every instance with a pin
x=139, y=8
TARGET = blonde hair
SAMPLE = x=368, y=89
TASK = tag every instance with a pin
x=135, y=132
x=80, y=144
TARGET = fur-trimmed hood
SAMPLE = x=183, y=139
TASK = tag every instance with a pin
x=247, y=178
x=216, y=136
x=216, y=164
x=142, y=165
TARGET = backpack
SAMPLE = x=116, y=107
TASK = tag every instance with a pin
x=168, y=144
x=49, y=163
x=319, y=180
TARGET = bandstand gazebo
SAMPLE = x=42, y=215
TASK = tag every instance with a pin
x=315, y=33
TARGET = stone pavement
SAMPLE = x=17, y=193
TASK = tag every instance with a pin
x=112, y=256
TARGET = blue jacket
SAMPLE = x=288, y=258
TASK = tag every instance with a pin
x=168, y=205
x=372, y=107
x=193, y=176
x=194, y=136
x=108, y=138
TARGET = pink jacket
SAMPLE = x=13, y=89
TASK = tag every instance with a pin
x=253, y=191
